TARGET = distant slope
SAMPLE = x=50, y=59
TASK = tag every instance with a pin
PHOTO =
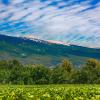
x=39, y=51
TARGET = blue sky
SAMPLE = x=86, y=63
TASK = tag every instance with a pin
x=70, y=21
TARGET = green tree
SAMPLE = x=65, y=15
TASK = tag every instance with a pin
x=89, y=72
x=57, y=75
x=40, y=74
x=92, y=63
x=66, y=65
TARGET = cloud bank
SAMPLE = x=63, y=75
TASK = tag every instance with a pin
x=72, y=21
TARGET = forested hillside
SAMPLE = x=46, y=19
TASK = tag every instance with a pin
x=42, y=52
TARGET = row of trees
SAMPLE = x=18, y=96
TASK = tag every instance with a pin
x=13, y=72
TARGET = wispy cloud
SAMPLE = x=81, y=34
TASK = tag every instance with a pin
x=74, y=21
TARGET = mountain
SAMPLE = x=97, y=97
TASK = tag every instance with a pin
x=36, y=51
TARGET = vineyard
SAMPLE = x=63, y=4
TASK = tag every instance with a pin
x=50, y=92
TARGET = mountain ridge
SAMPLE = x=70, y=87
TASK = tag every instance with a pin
x=40, y=50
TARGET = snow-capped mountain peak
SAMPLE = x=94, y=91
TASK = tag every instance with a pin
x=58, y=42
x=31, y=37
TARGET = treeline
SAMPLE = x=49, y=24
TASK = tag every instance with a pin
x=13, y=72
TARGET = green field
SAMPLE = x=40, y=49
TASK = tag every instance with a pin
x=50, y=92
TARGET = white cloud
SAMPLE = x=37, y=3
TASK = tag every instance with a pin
x=49, y=22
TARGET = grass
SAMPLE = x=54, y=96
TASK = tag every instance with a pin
x=50, y=92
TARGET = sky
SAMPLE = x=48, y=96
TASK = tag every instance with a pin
x=69, y=21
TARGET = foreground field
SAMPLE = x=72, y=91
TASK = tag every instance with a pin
x=50, y=92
